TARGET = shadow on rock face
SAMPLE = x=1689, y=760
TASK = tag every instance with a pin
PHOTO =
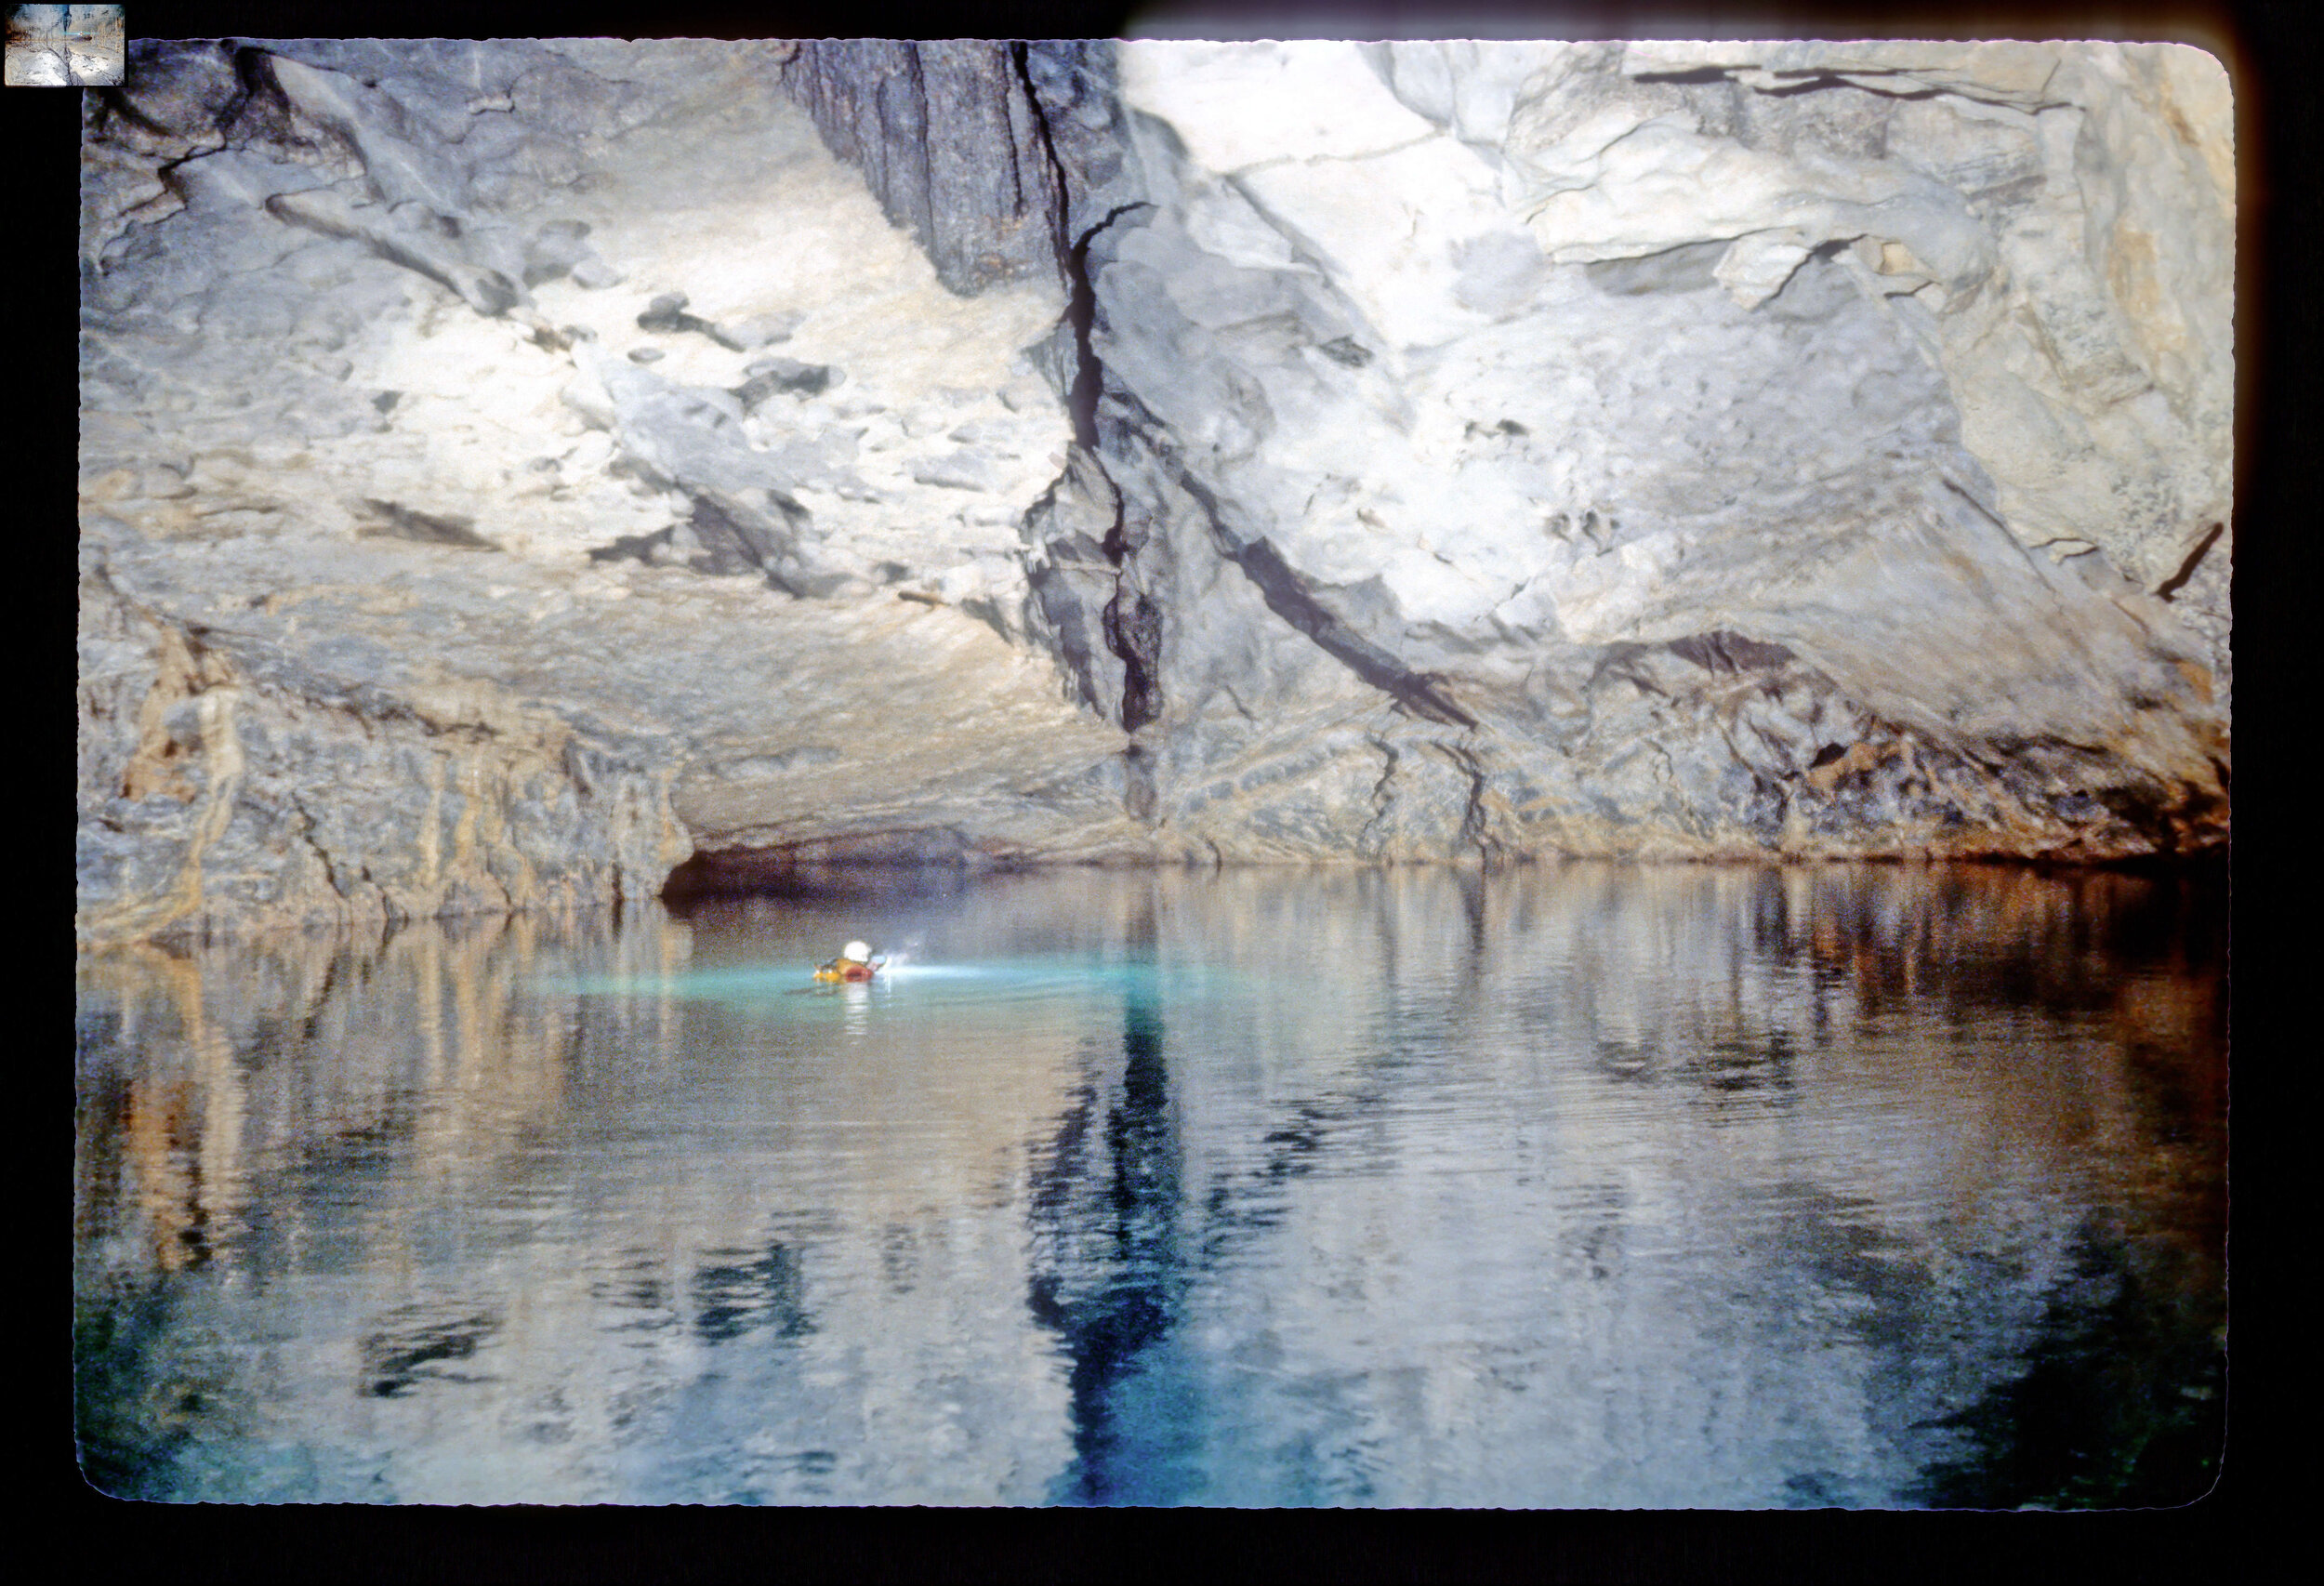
x=887, y=865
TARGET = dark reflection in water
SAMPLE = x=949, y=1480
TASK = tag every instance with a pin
x=2122, y=1405
x=396, y=1359
x=1583, y=1186
x=1131, y=1413
x=731, y=1300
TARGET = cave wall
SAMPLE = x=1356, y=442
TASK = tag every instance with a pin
x=554, y=464
x=1670, y=450
x=509, y=468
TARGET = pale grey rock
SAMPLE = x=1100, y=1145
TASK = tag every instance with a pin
x=403, y=239
x=1358, y=378
x=307, y=428
x=556, y=249
x=970, y=467
x=595, y=273
x=769, y=377
x=782, y=762
x=759, y=330
x=691, y=440
x=398, y=168
x=1282, y=452
x=2063, y=214
x=819, y=461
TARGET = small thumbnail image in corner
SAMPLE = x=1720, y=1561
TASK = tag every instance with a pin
x=63, y=47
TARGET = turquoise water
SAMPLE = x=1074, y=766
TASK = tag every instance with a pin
x=1579, y=1185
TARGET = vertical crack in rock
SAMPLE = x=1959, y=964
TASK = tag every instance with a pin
x=1383, y=797
x=1072, y=262
x=1138, y=796
x=1130, y=624
x=1067, y=87
x=1475, y=821
x=1071, y=575
x=1089, y=381
x=1133, y=631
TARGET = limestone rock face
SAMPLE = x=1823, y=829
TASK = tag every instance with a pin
x=511, y=468
x=251, y=780
x=1680, y=449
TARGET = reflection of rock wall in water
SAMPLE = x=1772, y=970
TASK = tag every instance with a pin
x=417, y=1101
x=1846, y=1094
x=1246, y=452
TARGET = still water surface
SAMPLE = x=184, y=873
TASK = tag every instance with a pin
x=1579, y=1185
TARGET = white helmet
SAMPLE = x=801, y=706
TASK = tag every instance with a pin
x=859, y=951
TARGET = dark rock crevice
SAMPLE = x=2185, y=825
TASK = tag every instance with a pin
x=1723, y=652
x=1081, y=397
x=1288, y=596
x=1130, y=624
x=1133, y=631
x=2177, y=581
x=1081, y=315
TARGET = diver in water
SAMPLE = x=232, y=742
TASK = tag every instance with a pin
x=854, y=963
